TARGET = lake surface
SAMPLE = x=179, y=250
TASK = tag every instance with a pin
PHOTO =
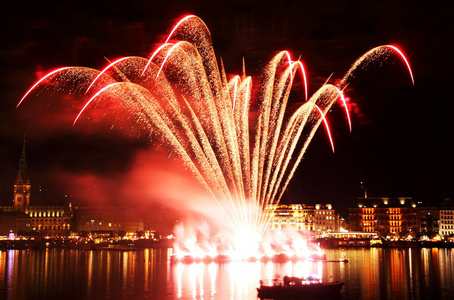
x=388, y=273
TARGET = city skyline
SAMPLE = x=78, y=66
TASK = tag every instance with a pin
x=399, y=142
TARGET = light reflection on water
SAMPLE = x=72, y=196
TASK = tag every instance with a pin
x=408, y=273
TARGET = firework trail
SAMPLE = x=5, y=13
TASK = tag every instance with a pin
x=182, y=97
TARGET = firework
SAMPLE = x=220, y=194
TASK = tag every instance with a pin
x=182, y=96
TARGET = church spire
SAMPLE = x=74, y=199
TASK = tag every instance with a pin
x=22, y=185
x=22, y=175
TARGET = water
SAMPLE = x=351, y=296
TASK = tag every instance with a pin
x=406, y=273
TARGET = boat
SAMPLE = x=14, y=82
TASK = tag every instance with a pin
x=340, y=260
x=299, y=288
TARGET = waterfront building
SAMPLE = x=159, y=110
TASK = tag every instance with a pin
x=385, y=216
x=319, y=218
x=22, y=218
x=51, y=220
x=153, y=221
x=447, y=222
x=13, y=222
x=447, y=218
x=108, y=221
x=159, y=221
x=429, y=220
x=65, y=220
x=14, y=219
x=22, y=186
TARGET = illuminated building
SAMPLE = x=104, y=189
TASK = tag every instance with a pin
x=384, y=216
x=108, y=220
x=320, y=218
x=45, y=220
x=446, y=226
x=22, y=186
x=13, y=222
x=14, y=219
x=54, y=221
x=429, y=220
x=447, y=222
x=160, y=220
x=437, y=219
x=51, y=220
x=121, y=221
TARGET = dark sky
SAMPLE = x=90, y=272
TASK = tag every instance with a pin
x=399, y=143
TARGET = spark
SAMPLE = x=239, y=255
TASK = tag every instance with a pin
x=105, y=69
x=405, y=60
x=167, y=56
x=246, y=95
x=236, y=78
x=153, y=56
x=325, y=121
x=289, y=60
x=375, y=54
x=39, y=81
x=178, y=25
x=341, y=95
x=92, y=98
x=303, y=72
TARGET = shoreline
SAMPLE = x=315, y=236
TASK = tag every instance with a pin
x=366, y=243
x=127, y=245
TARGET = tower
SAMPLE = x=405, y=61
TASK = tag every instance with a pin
x=22, y=186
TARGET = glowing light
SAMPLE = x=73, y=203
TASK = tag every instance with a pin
x=347, y=113
x=39, y=81
x=303, y=72
x=405, y=60
x=235, y=79
x=328, y=131
x=153, y=56
x=92, y=98
x=376, y=54
x=167, y=56
x=289, y=59
x=105, y=69
x=184, y=19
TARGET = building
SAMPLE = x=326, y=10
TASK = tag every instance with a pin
x=160, y=220
x=45, y=220
x=385, y=216
x=14, y=219
x=108, y=220
x=447, y=222
x=319, y=218
x=446, y=227
x=429, y=220
x=65, y=220
x=22, y=186
x=13, y=222
x=150, y=221
x=51, y=220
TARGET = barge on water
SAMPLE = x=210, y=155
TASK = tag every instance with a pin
x=299, y=288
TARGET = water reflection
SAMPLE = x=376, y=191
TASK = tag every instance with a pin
x=147, y=274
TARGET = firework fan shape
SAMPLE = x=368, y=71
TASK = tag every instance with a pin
x=182, y=97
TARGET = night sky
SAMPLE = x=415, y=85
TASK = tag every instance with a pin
x=399, y=146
